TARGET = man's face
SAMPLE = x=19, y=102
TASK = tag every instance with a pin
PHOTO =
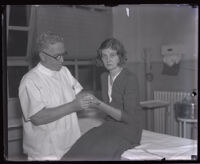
x=53, y=56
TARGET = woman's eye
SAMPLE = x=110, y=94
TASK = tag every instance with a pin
x=113, y=55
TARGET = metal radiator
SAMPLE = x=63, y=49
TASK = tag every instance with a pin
x=160, y=114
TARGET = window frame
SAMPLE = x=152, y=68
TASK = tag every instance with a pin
x=20, y=60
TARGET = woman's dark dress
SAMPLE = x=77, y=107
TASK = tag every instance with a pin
x=112, y=138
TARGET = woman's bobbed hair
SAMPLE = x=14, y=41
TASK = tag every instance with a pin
x=114, y=44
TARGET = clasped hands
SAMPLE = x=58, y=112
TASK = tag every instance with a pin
x=87, y=100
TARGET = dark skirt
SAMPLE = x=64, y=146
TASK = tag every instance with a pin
x=104, y=143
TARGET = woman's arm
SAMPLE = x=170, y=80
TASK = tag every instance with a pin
x=111, y=111
x=130, y=103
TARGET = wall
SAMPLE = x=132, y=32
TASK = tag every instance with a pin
x=150, y=27
x=83, y=29
x=169, y=24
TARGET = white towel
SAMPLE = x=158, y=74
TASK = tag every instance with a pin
x=170, y=60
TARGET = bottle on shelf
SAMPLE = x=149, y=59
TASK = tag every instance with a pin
x=189, y=106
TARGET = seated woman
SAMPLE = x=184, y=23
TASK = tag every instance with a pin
x=122, y=128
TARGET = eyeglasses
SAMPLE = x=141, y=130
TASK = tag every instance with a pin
x=58, y=57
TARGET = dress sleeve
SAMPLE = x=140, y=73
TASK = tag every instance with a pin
x=131, y=100
x=30, y=99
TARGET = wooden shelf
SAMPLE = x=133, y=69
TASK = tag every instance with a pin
x=14, y=129
x=14, y=123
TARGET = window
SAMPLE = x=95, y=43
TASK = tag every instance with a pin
x=19, y=15
x=19, y=32
x=71, y=69
x=17, y=43
x=86, y=76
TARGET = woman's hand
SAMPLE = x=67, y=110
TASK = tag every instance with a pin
x=87, y=100
x=94, y=102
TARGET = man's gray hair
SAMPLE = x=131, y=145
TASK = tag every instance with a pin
x=46, y=39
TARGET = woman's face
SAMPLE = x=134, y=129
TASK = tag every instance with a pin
x=110, y=59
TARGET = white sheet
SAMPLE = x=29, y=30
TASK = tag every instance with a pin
x=156, y=146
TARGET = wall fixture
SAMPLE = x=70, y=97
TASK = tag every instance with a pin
x=171, y=56
x=148, y=66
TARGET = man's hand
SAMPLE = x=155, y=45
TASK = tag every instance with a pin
x=82, y=101
x=87, y=100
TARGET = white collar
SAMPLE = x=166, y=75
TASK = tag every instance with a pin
x=46, y=70
x=115, y=76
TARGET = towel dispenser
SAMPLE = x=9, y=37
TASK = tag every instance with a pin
x=172, y=54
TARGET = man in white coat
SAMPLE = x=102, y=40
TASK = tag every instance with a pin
x=50, y=97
